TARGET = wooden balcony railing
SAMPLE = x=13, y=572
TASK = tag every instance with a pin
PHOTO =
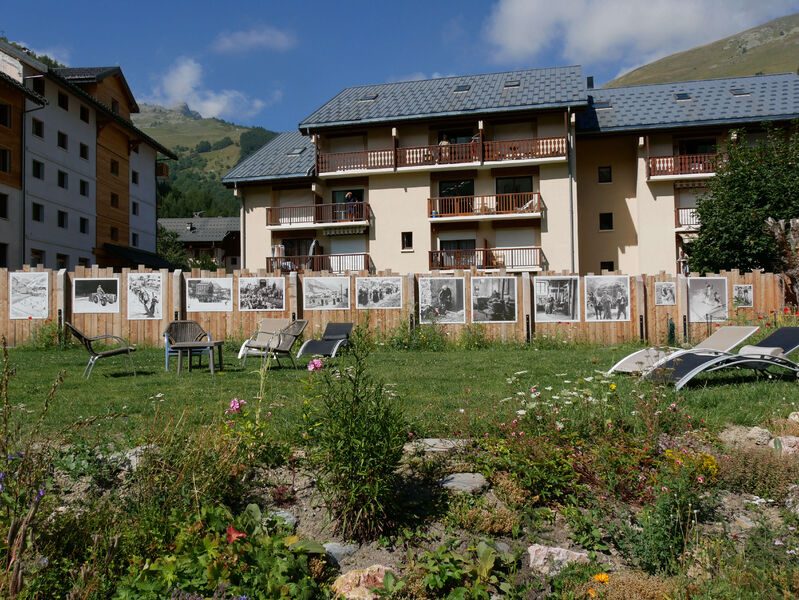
x=417, y=156
x=492, y=204
x=336, y=263
x=525, y=149
x=488, y=258
x=318, y=214
x=686, y=217
x=685, y=164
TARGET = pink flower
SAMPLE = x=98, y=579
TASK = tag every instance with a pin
x=315, y=365
x=235, y=406
x=700, y=479
x=232, y=534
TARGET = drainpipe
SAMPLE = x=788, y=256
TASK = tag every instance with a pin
x=569, y=147
x=243, y=220
x=23, y=176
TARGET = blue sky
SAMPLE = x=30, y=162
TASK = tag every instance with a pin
x=273, y=63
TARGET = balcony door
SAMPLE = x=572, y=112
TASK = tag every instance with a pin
x=458, y=254
x=519, y=188
x=348, y=208
x=457, y=197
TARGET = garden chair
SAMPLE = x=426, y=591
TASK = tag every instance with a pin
x=335, y=336
x=285, y=340
x=772, y=351
x=185, y=331
x=95, y=355
x=723, y=339
x=264, y=336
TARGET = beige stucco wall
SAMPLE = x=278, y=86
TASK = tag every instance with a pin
x=256, y=239
x=557, y=222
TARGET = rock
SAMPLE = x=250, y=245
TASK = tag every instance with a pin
x=549, y=560
x=743, y=522
x=339, y=552
x=287, y=517
x=435, y=445
x=788, y=443
x=131, y=459
x=468, y=483
x=502, y=547
x=358, y=584
x=792, y=499
x=794, y=416
x=758, y=436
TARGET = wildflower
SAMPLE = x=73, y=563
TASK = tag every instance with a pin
x=315, y=365
x=233, y=535
x=559, y=426
x=591, y=593
x=673, y=407
x=601, y=577
x=521, y=412
x=235, y=407
x=700, y=479
x=612, y=387
x=40, y=493
x=461, y=410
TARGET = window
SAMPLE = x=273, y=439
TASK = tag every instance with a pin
x=604, y=174
x=63, y=180
x=407, y=240
x=456, y=136
x=114, y=106
x=62, y=261
x=456, y=187
x=37, y=128
x=606, y=221
x=37, y=85
x=696, y=146
x=297, y=246
x=512, y=83
x=84, y=114
x=62, y=140
x=84, y=187
x=5, y=160
x=3, y=255
x=114, y=200
x=84, y=225
x=514, y=185
x=459, y=89
x=134, y=239
x=606, y=265
x=37, y=257
x=63, y=219
x=37, y=169
x=341, y=196
x=84, y=151
x=114, y=234
x=134, y=177
x=682, y=96
x=5, y=114
x=457, y=197
x=37, y=213
x=3, y=206
x=84, y=262
x=135, y=148
x=63, y=100
x=114, y=167
x=134, y=208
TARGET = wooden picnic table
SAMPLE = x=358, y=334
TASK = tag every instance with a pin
x=187, y=347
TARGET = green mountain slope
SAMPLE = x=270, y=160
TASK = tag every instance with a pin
x=769, y=48
x=206, y=149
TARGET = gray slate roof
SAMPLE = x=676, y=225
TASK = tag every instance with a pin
x=407, y=100
x=30, y=94
x=273, y=160
x=86, y=74
x=655, y=106
x=205, y=229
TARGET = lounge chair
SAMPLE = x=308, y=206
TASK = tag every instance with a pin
x=336, y=335
x=772, y=351
x=185, y=331
x=94, y=355
x=723, y=339
x=265, y=336
x=284, y=344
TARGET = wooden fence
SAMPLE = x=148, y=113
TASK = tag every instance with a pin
x=646, y=316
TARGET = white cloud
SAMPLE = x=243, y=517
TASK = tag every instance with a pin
x=265, y=36
x=627, y=32
x=57, y=53
x=417, y=76
x=183, y=83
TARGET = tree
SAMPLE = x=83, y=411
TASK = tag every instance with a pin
x=169, y=247
x=203, y=146
x=252, y=140
x=757, y=181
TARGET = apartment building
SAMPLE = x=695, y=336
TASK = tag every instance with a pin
x=88, y=175
x=527, y=171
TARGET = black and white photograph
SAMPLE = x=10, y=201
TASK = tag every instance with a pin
x=707, y=299
x=145, y=296
x=607, y=298
x=262, y=293
x=326, y=293
x=209, y=294
x=30, y=295
x=743, y=295
x=95, y=295
x=494, y=300
x=378, y=292
x=442, y=300
x=557, y=299
x=665, y=293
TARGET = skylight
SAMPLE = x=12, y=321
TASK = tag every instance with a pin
x=367, y=98
x=459, y=89
x=740, y=92
x=512, y=83
x=295, y=151
x=682, y=96
x=602, y=104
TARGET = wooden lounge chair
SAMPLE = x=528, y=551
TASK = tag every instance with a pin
x=336, y=336
x=185, y=331
x=95, y=355
x=260, y=341
x=772, y=351
x=723, y=339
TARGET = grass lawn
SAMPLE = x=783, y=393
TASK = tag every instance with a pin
x=433, y=386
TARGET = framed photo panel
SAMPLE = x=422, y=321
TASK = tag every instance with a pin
x=209, y=294
x=494, y=300
x=707, y=299
x=607, y=298
x=442, y=300
x=378, y=292
x=326, y=293
x=557, y=299
x=145, y=296
x=29, y=295
x=262, y=293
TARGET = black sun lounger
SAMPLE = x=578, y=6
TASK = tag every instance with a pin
x=772, y=351
x=336, y=335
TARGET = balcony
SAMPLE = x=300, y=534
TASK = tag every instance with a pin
x=512, y=259
x=683, y=167
x=341, y=214
x=686, y=219
x=335, y=263
x=449, y=156
x=490, y=207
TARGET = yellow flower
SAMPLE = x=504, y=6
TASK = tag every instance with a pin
x=612, y=387
x=591, y=593
x=601, y=577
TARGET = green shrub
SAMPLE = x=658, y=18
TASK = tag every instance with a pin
x=473, y=337
x=358, y=430
x=430, y=338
